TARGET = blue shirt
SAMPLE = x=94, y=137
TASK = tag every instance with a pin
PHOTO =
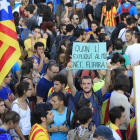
x=43, y=88
x=38, y=61
x=96, y=108
x=132, y=11
x=6, y=93
x=59, y=119
x=15, y=68
x=70, y=106
x=5, y=136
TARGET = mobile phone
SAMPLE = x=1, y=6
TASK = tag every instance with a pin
x=92, y=123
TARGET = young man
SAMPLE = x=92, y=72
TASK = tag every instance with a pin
x=6, y=93
x=36, y=37
x=133, y=50
x=68, y=10
x=46, y=82
x=39, y=56
x=24, y=31
x=84, y=115
x=11, y=120
x=60, y=128
x=60, y=85
x=132, y=11
x=87, y=86
x=43, y=117
x=117, y=117
x=118, y=45
x=130, y=24
x=102, y=37
x=128, y=37
x=89, y=11
x=28, y=11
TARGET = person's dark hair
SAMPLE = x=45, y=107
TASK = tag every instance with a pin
x=36, y=27
x=117, y=58
x=30, y=9
x=59, y=95
x=61, y=26
x=130, y=32
x=81, y=103
x=68, y=4
x=130, y=20
x=101, y=37
x=50, y=2
x=78, y=33
x=17, y=30
x=109, y=5
x=46, y=12
x=41, y=110
x=61, y=78
x=124, y=15
x=69, y=27
x=114, y=74
x=80, y=15
x=94, y=22
x=133, y=135
x=84, y=114
x=50, y=64
x=38, y=44
x=122, y=83
x=97, y=74
x=31, y=59
x=116, y=112
x=137, y=36
x=86, y=77
x=108, y=44
x=22, y=86
x=1, y=99
x=98, y=30
x=11, y=116
x=71, y=16
x=25, y=21
x=26, y=67
x=16, y=18
x=47, y=25
x=118, y=44
x=68, y=54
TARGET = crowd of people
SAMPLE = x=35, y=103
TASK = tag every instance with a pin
x=42, y=98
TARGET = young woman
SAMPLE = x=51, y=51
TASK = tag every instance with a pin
x=99, y=30
x=99, y=79
x=110, y=12
x=2, y=109
x=21, y=106
x=118, y=98
x=24, y=3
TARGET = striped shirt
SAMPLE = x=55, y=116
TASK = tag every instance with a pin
x=38, y=133
x=109, y=16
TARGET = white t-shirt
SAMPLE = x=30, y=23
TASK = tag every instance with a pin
x=133, y=52
x=25, y=118
x=122, y=34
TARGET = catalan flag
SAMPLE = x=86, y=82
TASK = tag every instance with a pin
x=9, y=46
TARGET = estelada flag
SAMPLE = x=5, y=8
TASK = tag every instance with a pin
x=9, y=46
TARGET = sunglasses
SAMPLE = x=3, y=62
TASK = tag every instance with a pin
x=76, y=19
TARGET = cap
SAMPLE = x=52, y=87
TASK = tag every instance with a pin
x=104, y=131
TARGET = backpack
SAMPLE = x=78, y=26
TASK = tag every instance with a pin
x=67, y=121
x=98, y=11
x=82, y=138
x=53, y=46
x=24, y=33
x=125, y=10
x=105, y=112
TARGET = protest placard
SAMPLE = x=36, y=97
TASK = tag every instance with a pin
x=89, y=56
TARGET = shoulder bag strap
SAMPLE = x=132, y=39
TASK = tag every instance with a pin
x=85, y=135
x=96, y=98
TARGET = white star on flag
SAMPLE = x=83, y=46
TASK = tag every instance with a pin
x=4, y=5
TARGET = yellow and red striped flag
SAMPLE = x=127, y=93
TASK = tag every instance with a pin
x=9, y=46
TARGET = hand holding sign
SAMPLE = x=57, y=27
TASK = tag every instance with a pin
x=89, y=56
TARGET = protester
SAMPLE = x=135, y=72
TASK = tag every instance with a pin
x=2, y=109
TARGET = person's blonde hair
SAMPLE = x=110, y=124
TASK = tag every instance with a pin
x=23, y=2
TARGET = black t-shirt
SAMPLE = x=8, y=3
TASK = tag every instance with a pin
x=89, y=10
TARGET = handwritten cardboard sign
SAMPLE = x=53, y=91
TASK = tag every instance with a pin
x=89, y=56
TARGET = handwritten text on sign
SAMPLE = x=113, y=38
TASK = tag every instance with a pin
x=89, y=55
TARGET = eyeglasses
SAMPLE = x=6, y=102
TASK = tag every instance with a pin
x=54, y=72
x=29, y=89
x=76, y=19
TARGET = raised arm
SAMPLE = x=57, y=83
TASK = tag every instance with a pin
x=70, y=80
